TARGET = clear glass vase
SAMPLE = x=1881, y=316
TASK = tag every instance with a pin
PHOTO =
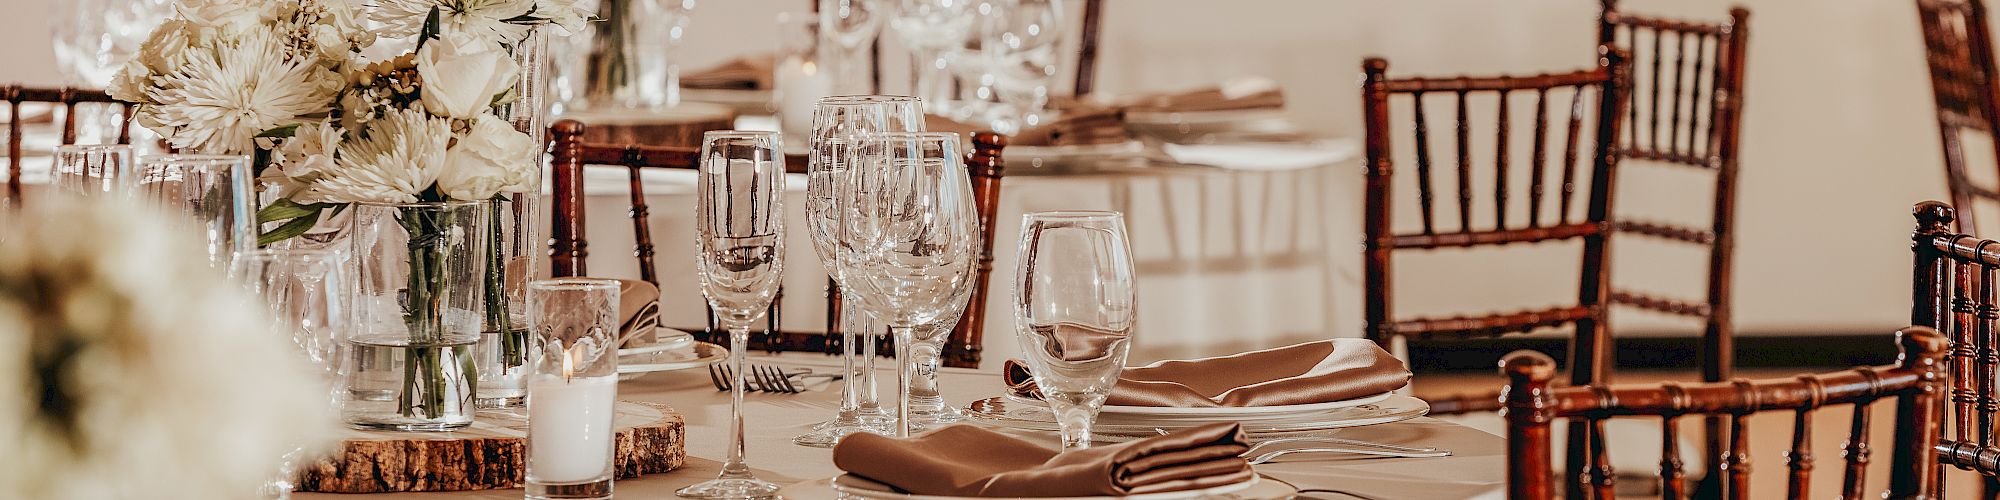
x=419, y=310
x=504, y=347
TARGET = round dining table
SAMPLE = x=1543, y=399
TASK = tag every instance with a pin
x=1475, y=469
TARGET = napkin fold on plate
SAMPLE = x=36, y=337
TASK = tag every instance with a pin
x=638, y=312
x=962, y=460
x=751, y=72
x=1313, y=372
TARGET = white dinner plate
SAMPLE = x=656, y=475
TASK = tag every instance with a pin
x=1009, y=413
x=849, y=486
x=674, y=352
x=1229, y=412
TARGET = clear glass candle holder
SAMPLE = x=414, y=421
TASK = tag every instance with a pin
x=573, y=391
x=211, y=192
x=94, y=169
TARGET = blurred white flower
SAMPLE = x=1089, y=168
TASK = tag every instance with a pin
x=130, y=369
x=228, y=16
x=462, y=74
x=491, y=158
x=220, y=99
x=486, y=19
x=570, y=15
x=394, y=160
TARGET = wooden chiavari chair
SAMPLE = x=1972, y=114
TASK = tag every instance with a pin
x=68, y=98
x=1915, y=383
x=1589, y=341
x=1959, y=50
x=1954, y=277
x=570, y=249
x=1689, y=115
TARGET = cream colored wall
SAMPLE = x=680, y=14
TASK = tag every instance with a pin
x=1838, y=140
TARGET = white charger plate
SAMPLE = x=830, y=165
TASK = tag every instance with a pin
x=850, y=486
x=677, y=351
x=1009, y=413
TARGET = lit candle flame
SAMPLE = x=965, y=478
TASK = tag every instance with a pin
x=569, y=355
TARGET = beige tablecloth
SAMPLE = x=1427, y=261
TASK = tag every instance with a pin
x=1477, y=467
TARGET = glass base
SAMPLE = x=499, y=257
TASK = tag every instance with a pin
x=923, y=420
x=828, y=433
x=593, y=490
x=730, y=488
x=500, y=403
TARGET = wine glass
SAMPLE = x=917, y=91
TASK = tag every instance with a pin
x=929, y=28
x=1074, y=309
x=1024, y=55
x=740, y=242
x=908, y=237
x=306, y=292
x=851, y=25
x=91, y=169
x=213, y=194
x=92, y=40
x=838, y=122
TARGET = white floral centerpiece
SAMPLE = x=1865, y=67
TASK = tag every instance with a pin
x=284, y=81
x=129, y=369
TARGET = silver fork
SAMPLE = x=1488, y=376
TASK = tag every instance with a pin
x=722, y=377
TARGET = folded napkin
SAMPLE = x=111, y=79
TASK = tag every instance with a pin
x=1313, y=372
x=638, y=312
x=751, y=72
x=962, y=460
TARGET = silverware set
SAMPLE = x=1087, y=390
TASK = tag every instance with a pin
x=766, y=378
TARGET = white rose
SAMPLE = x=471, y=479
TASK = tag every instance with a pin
x=129, y=84
x=491, y=158
x=461, y=74
x=228, y=16
x=570, y=15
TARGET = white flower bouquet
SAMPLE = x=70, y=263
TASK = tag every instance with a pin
x=129, y=369
x=286, y=83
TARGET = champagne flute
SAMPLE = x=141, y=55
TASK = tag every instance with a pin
x=739, y=247
x=1074, y=309
x=908, y=237
x=838, y=122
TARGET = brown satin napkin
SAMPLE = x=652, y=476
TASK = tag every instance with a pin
x=962, y=460
x=751, y=72
x=1313, y=372
x=638, y=312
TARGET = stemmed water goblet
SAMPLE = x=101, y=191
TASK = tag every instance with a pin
x=907, y=237
x=739, y=251
x=1024, y=54
x=838, y=123
x=1074, y=307
x=851, y=25
x=929, y=28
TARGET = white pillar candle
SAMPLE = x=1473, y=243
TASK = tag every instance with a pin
x=800, y=84
x=569, y=427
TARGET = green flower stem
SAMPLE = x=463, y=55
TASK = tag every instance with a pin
x=497, y=319
x=423, y=373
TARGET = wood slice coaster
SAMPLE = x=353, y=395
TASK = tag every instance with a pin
x=489, y=454
x=679, y=126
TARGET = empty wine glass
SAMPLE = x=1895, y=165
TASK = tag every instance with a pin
x=211, y=192
x=93, y=169
x=970, y=64
x=92, y=40
x=306, y=292
x=1024, y=55
x=928, y=28
x=839, y=122
x=908, y=237
x=1074, y=309
x=739, y=247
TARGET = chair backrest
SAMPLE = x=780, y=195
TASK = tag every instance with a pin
x=15, y=95
x=569, y=249
x=1691, y=118
x=1915, y=382
x=1086, y=47
x=1959, y=50
x=1955, y=276
x=1381, y=240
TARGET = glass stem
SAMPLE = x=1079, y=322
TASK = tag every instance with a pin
x=734, y=467
x=871, y=401
x=850, y=388
x=1074, y=420
x=904, y=336
x=924, y=358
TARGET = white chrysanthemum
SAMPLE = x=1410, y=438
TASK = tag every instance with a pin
x=130, y=369
x=222, y=98
x=303, y=159
x=398, y=157
x=483, y=18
